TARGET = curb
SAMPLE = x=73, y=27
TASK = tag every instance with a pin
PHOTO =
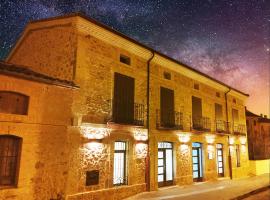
x=251, y=193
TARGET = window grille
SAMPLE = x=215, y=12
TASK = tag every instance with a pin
x=120, y=163
x=10, y=147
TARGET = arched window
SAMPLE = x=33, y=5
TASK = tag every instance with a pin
x=13, y=103
x=10, y=149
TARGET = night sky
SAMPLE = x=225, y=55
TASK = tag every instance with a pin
x=229, y=40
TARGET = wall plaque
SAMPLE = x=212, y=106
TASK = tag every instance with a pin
x=92, y=177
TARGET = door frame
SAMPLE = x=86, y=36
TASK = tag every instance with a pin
x=222, y=155
x=200, y=162
x=171, y=182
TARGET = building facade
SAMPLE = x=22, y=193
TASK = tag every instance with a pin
x=258, y=132
x=139, y=120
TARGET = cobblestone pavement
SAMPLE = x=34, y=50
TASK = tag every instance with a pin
x=213, y=190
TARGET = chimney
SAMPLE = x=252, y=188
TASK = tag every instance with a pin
x=261, y=115
x=265, y=116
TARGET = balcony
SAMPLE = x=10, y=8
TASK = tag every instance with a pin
x=201, y=123
x=126, y=113
x=239, y=129
x=169, y=120
x=222, y=126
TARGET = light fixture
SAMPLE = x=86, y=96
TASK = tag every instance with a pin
x=231, y=140
x=184, y=137
x=140, y=135
x=243, y=140
x=210, y=139
x=94, y=133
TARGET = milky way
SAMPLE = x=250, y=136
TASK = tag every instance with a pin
x=228, y=40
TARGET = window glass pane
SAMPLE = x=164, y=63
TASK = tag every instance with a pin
x=160, y=170
x=195, y=174
x=160, y=162
x=219, y=153
x=195, y=160
x=194, y=152
x=219, y=159
x=160, y=178
x=169, y=167
x=160, y=154
x=195, y=167
x=220, y=164
x=220, y=170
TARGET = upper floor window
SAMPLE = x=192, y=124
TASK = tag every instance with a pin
x=196, y=86
x=13, y=103
x=218, y=111
x=10, y=148
x=217, y=94
x=234, y=100
x=125, y=59
x=167, y=75
x=167, y=107
x=235, y=115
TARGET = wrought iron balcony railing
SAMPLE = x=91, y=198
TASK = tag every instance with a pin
x=239, y=129
x=169, y=120
x=222, y=126
x=122, y=112
x=201, y=123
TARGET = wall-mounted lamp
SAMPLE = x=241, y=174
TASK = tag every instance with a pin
x=184, y=137
x=140, y=135
x=243, y=140
x=210, y=139
x=94, y=133
x=231, y=140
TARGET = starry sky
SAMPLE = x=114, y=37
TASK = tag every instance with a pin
x=227, y=39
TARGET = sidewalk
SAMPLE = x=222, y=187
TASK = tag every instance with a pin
x=214, y=190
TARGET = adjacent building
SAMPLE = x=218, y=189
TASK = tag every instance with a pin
x=258, y=130
x=131, y=118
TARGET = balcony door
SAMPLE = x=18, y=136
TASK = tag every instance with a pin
x=197, y=113
x=165, y=164
x=123, y=101
x=167, y=107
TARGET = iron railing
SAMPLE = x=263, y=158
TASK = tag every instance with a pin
x=239, y=129
x=169, y=120
x=222, y=126
x=201, y=123
x=130, y=114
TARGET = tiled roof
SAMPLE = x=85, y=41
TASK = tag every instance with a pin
x=28, y=74
x=251, y=114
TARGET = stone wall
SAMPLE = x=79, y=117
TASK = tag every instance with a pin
x=44, y=157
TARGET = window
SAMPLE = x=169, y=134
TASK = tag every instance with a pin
x=167, y=75
x=120, y=163
x=254, y=122
x=167, y=107
x=13, y=103
x=217, y=94
x=218, y=111
x=125, y=59
x=10, y=148
x=237, y=155
x=234, y=100
x=196, y=86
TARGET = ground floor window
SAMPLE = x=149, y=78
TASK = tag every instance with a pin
x=237, y=155
x=10, y=148
x=197, y=164
x=220, y=162
x=165, y=164
x=120, y=163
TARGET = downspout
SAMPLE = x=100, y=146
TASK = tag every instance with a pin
x=228, y=129
x=147, y=161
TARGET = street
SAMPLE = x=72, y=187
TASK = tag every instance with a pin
x=213, y=190
x=265, y=195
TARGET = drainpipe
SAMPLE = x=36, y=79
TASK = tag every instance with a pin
x=228, y=128
x=147, y=161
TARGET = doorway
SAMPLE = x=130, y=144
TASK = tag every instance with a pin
x=220, y=162
x=197, y=162
x=165, y=164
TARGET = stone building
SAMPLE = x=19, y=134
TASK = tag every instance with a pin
x=139, y=120
x=258, y=132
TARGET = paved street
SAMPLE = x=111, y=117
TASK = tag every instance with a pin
x=212, y=190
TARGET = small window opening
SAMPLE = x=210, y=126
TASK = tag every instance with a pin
x=125, y=59
x=196, y=86
x=167, y=75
